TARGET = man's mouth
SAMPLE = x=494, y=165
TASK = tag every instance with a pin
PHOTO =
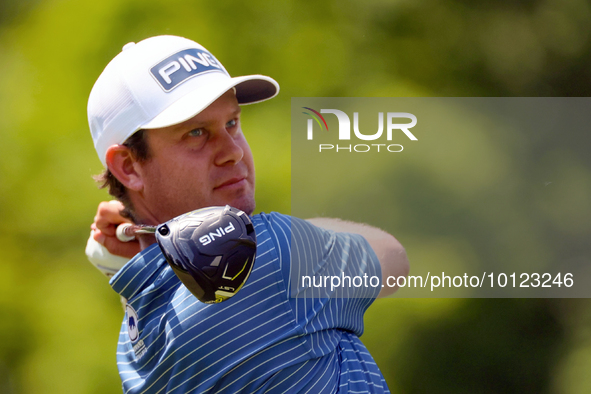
x=237, y=181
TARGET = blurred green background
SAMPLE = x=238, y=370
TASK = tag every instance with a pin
x=59, y=319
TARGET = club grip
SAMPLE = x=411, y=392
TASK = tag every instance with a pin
x=122, y=234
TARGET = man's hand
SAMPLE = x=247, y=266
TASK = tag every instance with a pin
x=108, y=217
x=390, y=252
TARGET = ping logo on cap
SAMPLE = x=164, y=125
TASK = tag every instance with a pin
x=183, y=65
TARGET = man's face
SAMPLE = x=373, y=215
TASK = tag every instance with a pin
x=204, y=161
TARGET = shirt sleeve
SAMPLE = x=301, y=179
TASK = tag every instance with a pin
x=331, y=278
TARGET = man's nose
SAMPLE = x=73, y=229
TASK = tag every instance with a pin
x=229, y=150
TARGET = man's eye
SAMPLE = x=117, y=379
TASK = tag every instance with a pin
x=231, y=123
x=196, y=133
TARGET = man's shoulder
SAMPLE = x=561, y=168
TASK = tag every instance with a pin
x=272, y=221
x=274, y=225
x=271, y=216
x=133, y=276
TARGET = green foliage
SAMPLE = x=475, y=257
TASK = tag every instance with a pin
x=59, y=320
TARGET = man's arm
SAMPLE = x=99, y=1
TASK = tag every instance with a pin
x=108, y=217
x=103, y=249
x=390, y=252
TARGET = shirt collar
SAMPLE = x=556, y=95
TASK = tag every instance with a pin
x=133, y=276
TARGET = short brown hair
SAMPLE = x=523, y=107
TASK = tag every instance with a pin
x=138, y=145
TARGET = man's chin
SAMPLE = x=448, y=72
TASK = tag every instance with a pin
x=247, y=207
x=243, y=201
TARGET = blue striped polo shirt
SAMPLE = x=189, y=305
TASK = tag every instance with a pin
x=274, y=336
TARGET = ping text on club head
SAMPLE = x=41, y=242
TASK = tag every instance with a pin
x=218, y=233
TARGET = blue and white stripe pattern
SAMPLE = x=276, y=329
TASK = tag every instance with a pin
x=261, y=340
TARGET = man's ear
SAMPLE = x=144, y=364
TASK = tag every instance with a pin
x=124, y=167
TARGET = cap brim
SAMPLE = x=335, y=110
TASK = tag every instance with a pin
x=250, y=89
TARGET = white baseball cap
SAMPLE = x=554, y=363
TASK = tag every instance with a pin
x=159, y=82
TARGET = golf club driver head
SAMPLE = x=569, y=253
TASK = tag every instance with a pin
x=211, y=250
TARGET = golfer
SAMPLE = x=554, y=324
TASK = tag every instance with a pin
x=165, y=120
